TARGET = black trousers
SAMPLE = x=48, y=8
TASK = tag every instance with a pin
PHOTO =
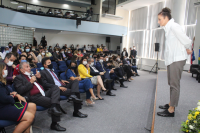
x=51, y=96
x=119, y=72
x=108, y=85
x=128, y=71
x=72, y=88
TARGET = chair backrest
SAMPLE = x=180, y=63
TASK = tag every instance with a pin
x=33, y=70
x=39, y=65
x=78, y=62
x=63, y=76
x=55, y=64
x=62, y=63
x=63, y=68
x=68, y=62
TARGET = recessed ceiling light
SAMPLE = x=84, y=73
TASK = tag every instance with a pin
x=20, y=6
x=29, y=8
x=14, y=2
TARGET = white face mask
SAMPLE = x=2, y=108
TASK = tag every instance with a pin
x=57, y=51
x=26, y=73
x=101, y=61
x=47, y=51
x=84, y=52
x=68, y=51
x=5, y=73
x=62, y=52
x=92, y=64
x=106, y=59
x=10, y=63
x=84, y=62
x=118, y=59
x=43, y=53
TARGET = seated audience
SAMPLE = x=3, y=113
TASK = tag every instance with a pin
x=62, y=53
x=65, y=46
x=99, y=49
x=79, y=53
x=77, y=47
x=84, y=51
x=48, y=54
x=30, y=60
x=69, y=54
x=6, y=50
x=85, y=84
x=84, y=47
x=57, y=46
x=22, y=58
x=72, y=46
x=88, y=48
x=60, y=13
x=10, y=45
x=50, y=49
x=67, y=88
x=127, y=63
x=56, y=55
x=21, y=111
x=41, y=55
x=31, y=87
x=67, y=15
x=84, y=71
x=28, y=51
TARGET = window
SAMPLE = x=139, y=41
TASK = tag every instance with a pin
x=109, y=6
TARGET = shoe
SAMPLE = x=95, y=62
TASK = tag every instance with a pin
x=137, y=75
x=75, y=99
x=166, y=113
x=80, y=115
x=114, y=89
x=166, y=106
x=57, y=127
x=128, y=80
x=100, y=98
x=54, y=111
x=131, y=78
x=92, y=98
x=108, y=80
x=89, y=103
x=110, y=94
x=123, y=86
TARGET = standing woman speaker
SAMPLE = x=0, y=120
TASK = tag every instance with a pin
x=177, y=49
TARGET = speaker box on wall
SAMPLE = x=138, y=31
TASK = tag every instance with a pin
x=107, y=39
x=78, y=21
x=120, y=39
x=92, y=2
x=157, y=46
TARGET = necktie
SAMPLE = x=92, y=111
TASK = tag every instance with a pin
x=56, y=77
x=39, y=88
x=102, y=66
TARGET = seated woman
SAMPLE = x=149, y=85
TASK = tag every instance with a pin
x=80, y=54
x=28, y=51
x=41, y=55
x=84, y=71
x=62, y=53
x=30, y=60
x=69, y=53
x=86, y=84
x=99, y=50
x=21, y=111
x=56, y=55
x=47, y=53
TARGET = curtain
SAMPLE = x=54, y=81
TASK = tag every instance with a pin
x=190, y=12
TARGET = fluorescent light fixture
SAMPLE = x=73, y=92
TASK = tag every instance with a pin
x=29, y=8
x=14, y=2
x=65, y=5
x=20, y=6
x=61, y=31
x=35, y=0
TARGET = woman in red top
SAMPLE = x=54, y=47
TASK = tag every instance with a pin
x=80, y=54
x=22, y=58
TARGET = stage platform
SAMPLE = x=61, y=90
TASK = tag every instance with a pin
x=189, y=96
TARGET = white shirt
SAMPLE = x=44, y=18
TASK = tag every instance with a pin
x=94, y=68
x=55, y=80
x=176, y=43
x=88, y=48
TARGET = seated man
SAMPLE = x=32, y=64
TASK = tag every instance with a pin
x=67, y=88
x=22, y=58
x=127, y=62
x=31, y=87
x=9, y=59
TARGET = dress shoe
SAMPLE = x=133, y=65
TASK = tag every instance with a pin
x=100, y=98
x=108, y=80
x=54, y=111
x=123, y=86
x=137, y=75
x=57, y=127
x=166, y=113
x=87, y=103
x=75, y=99
x=114, y=89
x=110, y=94
x=166, y=106
x=80, y=115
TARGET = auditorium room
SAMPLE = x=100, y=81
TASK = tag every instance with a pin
x=103, y=66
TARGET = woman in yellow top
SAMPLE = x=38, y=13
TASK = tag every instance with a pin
x=99, y=49
x=48, y=54
x=84, y=71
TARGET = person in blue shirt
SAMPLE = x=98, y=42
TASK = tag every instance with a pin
x=84, y=85
x=21, y=111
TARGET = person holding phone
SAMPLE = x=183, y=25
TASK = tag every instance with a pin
x=21, y=111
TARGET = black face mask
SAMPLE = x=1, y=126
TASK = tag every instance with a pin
x=110, y=67
x=50, y=66
x=29, y=59
x=10, y=46
x=73, y=68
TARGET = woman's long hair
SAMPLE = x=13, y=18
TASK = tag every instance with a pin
x=75, y=70
x=2, y=66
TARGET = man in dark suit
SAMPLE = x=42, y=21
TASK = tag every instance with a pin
x=134, y=54
x=67, y=88
x=31, y=87
x=124, y=53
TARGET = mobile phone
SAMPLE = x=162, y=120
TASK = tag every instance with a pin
x=19, y=105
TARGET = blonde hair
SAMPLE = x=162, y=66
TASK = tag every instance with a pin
x=2, y=66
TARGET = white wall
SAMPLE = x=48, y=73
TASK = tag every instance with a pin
x=197, y=38
x=77, y=38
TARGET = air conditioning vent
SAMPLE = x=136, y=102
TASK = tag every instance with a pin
x=111, y=16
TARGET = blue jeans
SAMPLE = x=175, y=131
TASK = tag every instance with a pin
x=134, y=68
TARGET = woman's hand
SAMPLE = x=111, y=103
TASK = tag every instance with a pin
x=20, y=98
x=189, y=51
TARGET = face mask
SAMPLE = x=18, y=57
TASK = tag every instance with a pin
x=84, y=62
x=33, y=49
x=68, y=51
x=133, y=48
x=62, y=52
x=50, y=66
x=90, y=56
x=10, y=63
x=57, y=51
x=43, y=53
x=101, y=61
x=26, y=73
x=110, y=67
x=23, y=61
x=7, y=51
x=73, y=68
x=106, y=59
x=118, y=59
x=5, y=73
x=22, y=47
x=27, y=50
x=29, y=59
x=92, y=64
x=84, y=52
x=10, y=46
x=47, y=51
